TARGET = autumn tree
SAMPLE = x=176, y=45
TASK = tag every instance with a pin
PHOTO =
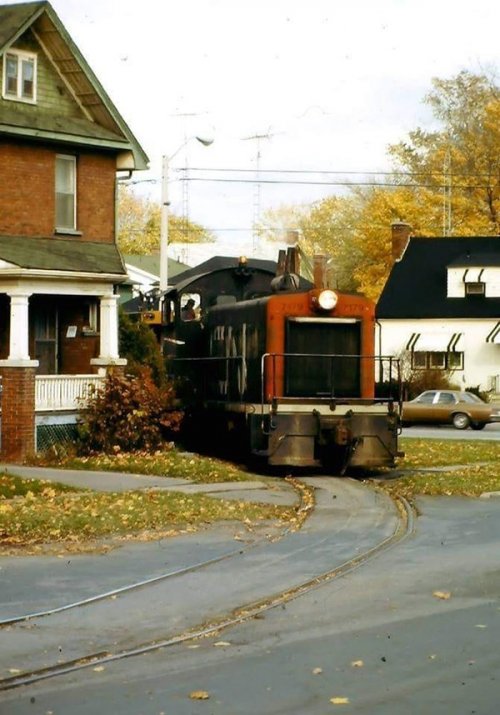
x=460, y=162
x=445, y=181
x=139, y=222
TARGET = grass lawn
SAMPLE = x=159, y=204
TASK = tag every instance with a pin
x=37, y=512
x=474, y=468
x=170, y=463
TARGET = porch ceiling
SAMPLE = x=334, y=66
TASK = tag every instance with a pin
x=56, y=254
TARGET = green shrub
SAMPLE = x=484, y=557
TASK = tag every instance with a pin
x=140, y=346
x=129, y=413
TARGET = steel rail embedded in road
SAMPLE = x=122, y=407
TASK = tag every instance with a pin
x=404, y=528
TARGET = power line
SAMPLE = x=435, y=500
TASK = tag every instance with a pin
x=335, y=172
x=393, y=185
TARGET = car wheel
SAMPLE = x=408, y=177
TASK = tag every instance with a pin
x=460, y=421
x=479, y=425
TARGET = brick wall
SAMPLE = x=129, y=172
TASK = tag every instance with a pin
x=27, y=191
x=18, y=413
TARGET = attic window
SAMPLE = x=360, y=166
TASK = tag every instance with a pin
x=474, y=288
x=19, y=76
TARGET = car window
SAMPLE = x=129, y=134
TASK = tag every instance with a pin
x=446, y=398
x=426, y=397
x=470, y=397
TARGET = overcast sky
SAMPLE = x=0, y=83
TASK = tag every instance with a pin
x=330, y=82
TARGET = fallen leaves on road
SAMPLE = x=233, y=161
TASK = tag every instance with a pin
x=317, y=671
x=199, y=695
x=339, y=701
x=443, y=595
x=357, y=664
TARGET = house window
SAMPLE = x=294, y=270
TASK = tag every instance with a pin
x=476, y=288
x=19, y=76
x=65, y=193
x=437, y=360
x=419, y=360
x=455, y=361
x=432, y=360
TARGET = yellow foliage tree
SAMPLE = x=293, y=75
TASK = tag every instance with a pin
x=139, y=225
x=446, y=182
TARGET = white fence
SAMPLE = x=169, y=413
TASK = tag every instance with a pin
x=64, y=392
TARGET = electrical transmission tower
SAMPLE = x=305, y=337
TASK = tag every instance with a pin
x=257, y=189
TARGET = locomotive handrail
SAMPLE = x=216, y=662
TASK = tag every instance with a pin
x=380, y=359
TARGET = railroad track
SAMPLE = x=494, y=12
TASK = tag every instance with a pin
x=243, y=612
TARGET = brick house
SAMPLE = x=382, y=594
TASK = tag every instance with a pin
x=63, y=146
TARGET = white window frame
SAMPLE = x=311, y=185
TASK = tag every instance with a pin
x=72, y=161
x=424, y=359
x=21, y=56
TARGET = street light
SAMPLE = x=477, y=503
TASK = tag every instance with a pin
x=165, y=206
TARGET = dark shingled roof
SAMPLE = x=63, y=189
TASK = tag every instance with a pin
x=68, y=128
x=58, y=254
x=14, y=17
x=417, y=284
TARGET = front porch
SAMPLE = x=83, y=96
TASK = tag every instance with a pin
x=64, y=393
x=59, y=401
x=56, y=343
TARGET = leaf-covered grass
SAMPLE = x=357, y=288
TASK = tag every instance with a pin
x=12, y=486
x=170, y=462
x=48, y=515
x=461, y=468
x=436, y=453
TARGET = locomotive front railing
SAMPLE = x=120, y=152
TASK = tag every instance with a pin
x=344, y=381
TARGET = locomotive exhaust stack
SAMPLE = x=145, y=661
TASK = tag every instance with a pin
x=287, y=272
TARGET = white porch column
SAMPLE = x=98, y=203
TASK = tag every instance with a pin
x=108, y=354
x=19, y=332
x=109, y=327
x=19, y=327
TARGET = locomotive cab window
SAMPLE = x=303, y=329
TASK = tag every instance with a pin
x=190, y=307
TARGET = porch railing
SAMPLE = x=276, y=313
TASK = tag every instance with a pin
x=64, y=392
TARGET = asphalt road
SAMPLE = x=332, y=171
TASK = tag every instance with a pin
x=490, y=432
x=415, y=630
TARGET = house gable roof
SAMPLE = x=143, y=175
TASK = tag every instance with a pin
x=56, y=254
x=151, y=264
x=417, y=285
x=101, y=122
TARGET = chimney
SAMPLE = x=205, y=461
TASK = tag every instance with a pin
x=401, y=233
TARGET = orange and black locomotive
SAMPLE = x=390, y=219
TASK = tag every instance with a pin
x=281, y=369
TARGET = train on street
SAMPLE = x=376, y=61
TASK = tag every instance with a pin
x=279, y=369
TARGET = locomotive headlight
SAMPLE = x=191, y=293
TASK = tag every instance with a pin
x=327, y=300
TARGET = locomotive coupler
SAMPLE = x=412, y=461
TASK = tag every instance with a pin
x=332, y=430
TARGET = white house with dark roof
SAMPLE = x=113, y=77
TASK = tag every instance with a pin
x=440, y=308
